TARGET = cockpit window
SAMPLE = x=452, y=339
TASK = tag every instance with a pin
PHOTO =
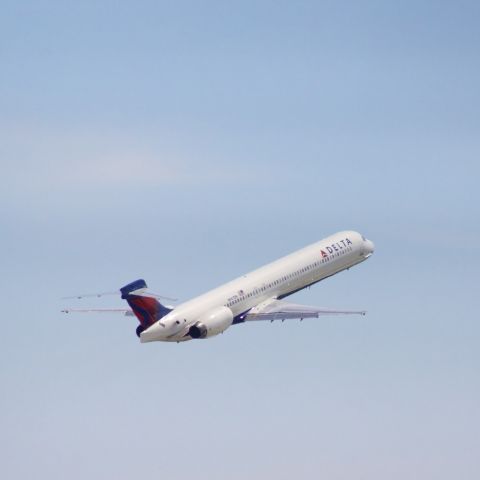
x=364, y=239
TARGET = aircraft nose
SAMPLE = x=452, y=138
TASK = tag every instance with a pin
x=369, y=247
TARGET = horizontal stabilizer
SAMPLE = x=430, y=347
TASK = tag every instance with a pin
x=125, y=311
x=145, y=292
x=89, y=295
x=139, y=288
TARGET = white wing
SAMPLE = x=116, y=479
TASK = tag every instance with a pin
x=280, y=310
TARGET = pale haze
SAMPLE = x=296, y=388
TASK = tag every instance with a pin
x=190, y=142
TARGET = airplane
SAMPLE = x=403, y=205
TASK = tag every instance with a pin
x=255, y=296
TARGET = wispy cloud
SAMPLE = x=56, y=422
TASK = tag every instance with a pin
x=38, y=159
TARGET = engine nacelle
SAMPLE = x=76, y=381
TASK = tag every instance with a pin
x=212, y=323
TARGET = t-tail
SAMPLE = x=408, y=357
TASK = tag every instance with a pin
x=145, y=306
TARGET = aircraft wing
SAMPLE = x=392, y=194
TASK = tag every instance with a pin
x=280, y=310
x=125, y=311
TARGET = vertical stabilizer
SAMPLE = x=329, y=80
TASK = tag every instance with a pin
x=145, y=307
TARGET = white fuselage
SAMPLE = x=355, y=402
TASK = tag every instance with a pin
x=273, y=281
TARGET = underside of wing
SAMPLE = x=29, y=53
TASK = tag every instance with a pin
x=280, y=310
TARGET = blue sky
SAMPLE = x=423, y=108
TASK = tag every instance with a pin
x=188, y=143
